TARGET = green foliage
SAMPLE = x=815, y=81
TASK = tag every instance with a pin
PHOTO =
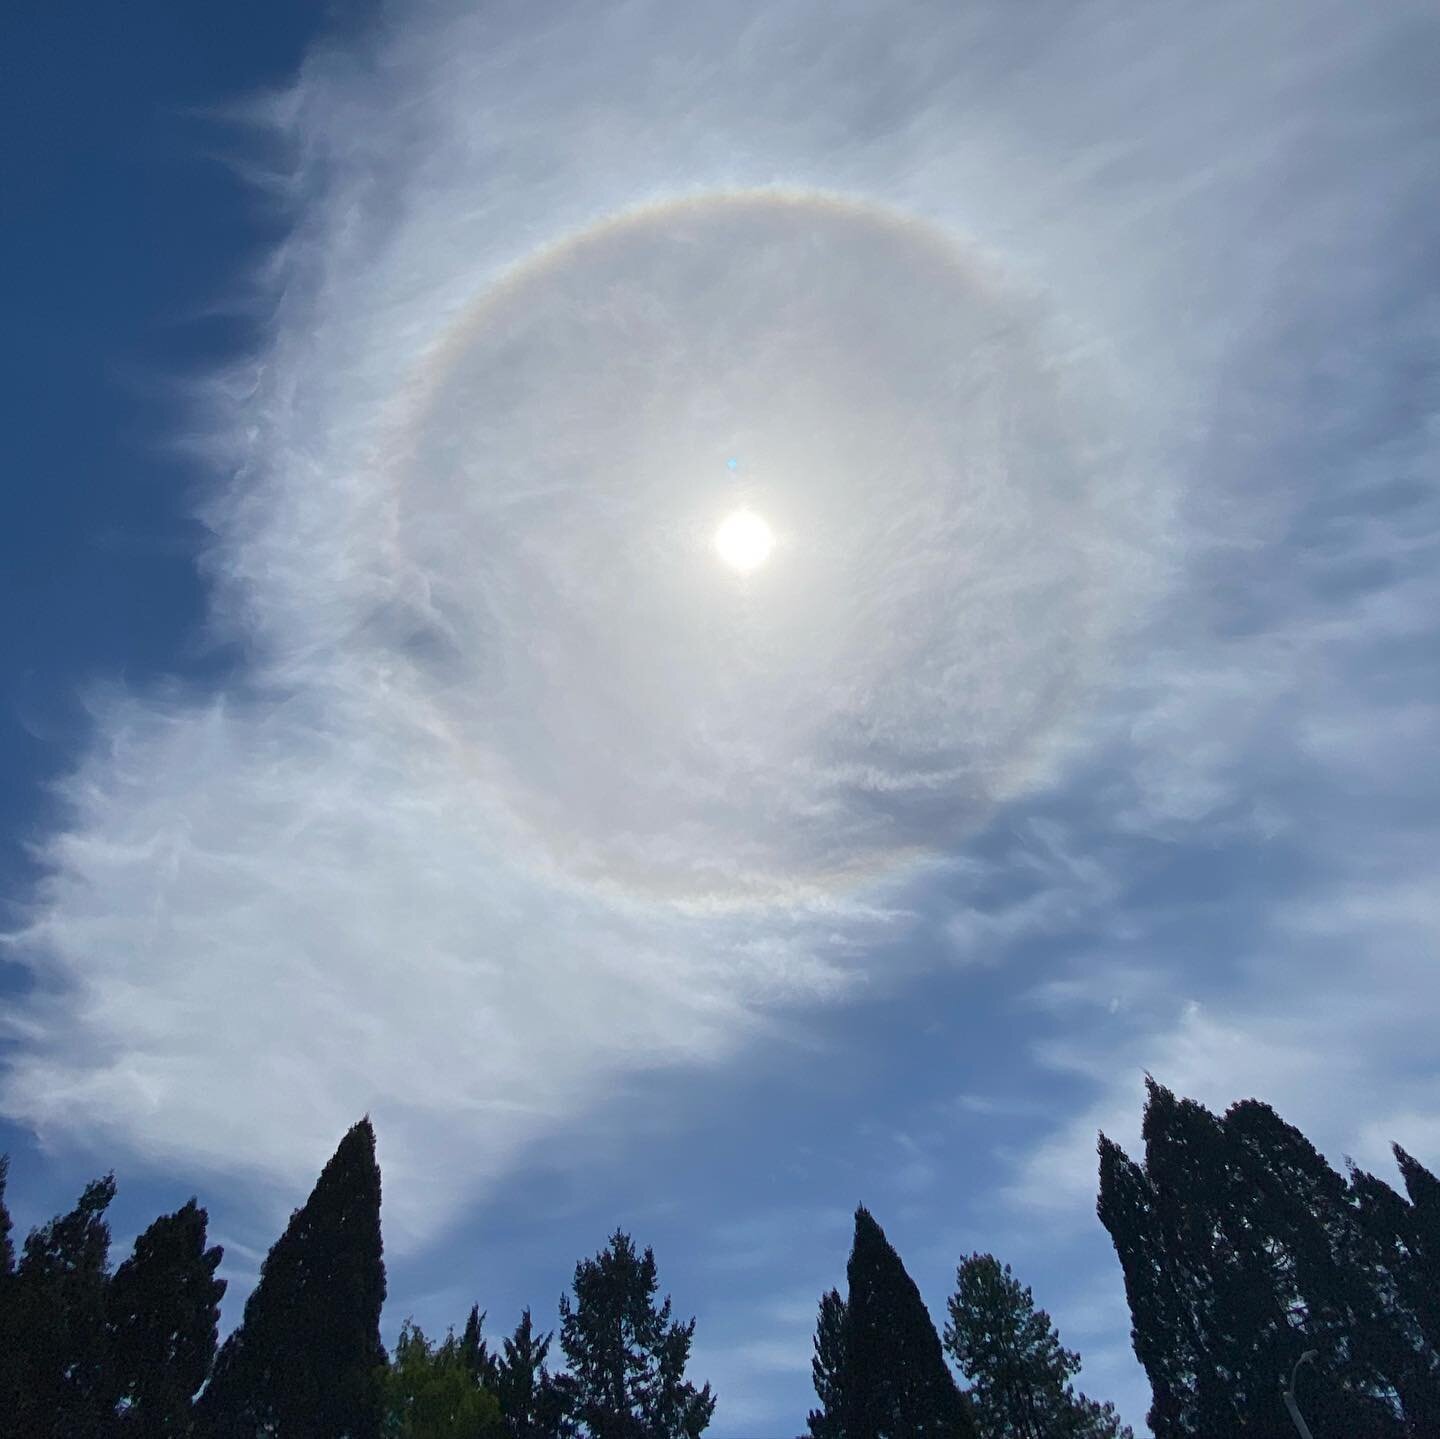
x=627, y=1358
x=896, y=1383
x=431, y=1391
x=163, y=1311
x=307, y=1358
x=1018, y=1371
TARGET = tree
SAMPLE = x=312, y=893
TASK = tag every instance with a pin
x=431, y=1391
x=896, y=1382
x=162, y=1313
x=56, y=1368
x=626, y=1358
x=476, y=1352
x=1242, y=1248
x=7, y=1249
x=828, y=1369
x=1019, y=1374
x=307, y=1357
x=531, y=1405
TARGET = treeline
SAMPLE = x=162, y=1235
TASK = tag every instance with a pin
x=1242, y=1250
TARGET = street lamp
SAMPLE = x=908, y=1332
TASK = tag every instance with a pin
x=1287, y=1393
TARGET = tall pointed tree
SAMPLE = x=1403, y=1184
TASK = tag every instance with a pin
x=1019, y=1372
x=163, y=1312
x=828, y=1369
x=531, y=1405
x=307, y=1358
x=627, y=1358
x=56, y=1372
x=897, y=1384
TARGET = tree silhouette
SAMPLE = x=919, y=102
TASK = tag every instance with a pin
x=1018, y=1371
x=163, y=1312
x=627, y=1358
x=307, y=1357
x=896, y=1382
x=828, y=1369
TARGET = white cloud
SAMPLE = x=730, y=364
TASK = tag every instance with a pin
x=520, y=793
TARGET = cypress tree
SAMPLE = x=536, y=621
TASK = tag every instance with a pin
x=163, y=1312
x=897, y=1384
x=1242, y=1248
x=1126, y=1208
x=828, y=1369
x=1422, y=1236
x=57, y=1368
x=626, y=1358
x=531, y=1406
x=1019, y=1372
x=307, y=1357
x=476, y=1352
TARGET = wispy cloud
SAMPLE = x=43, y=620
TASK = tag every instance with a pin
x=1103, y=479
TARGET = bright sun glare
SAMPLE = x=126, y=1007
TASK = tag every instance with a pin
x=744, y=540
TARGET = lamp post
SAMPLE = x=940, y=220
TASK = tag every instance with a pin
x=1287, y=1393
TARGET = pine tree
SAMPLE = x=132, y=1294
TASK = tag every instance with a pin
x=57, y=1368
x=163, y=1311
x=897, y=1384
x=828, y=1368
x=626, y=1358
x=307, y=1358
x=1018, y=1371
x=530, y=1403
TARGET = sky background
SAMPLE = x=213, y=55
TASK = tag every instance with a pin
x=379, y=733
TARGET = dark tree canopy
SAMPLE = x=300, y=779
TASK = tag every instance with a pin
x=55, y=1373
x=897, y=1384
x=307, y=1357
x=626, y=1358
x=163, y=1313
x=1018, y=1371
x=1242, y=1248
x=828, y=1369
x=531, y=1403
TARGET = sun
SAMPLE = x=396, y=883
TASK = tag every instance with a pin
x=744, y=540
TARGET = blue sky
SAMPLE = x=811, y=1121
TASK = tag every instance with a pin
x=381, y=732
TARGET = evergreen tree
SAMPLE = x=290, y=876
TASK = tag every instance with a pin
x=163, y=1311
x=431, y=1391
x=531, y=1405
x=1407, y=1320
x=627, y=1359
x=56, y=1370
x=307, y=1358
x=1018, y=1371
x=828, y=1368
x=476, y=1352
x=897, y=1384
x=1241, y=1249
